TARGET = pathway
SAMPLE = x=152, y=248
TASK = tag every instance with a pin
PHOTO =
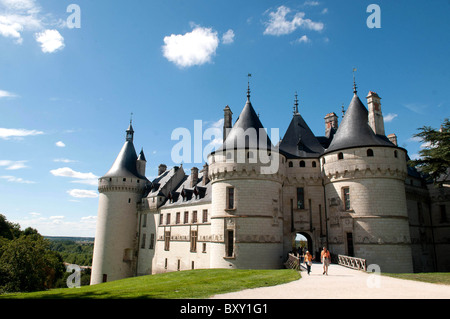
x=344, y=283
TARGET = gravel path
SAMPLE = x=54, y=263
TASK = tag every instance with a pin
x=344, y=283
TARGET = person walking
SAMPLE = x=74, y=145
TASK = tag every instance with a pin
x=325, y=258
x=308, y=261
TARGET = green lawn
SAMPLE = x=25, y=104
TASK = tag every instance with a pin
x=434, y=277
x=181, y=284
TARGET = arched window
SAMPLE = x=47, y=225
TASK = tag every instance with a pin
x=340, y=156
x=395, y=154
x=291, y=164
x=369, y=152
x=302, y=164
x=314, y=164
x=229, y=155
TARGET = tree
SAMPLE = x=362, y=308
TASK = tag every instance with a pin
x=27, y=264
x=26, y=261
x=435, y=156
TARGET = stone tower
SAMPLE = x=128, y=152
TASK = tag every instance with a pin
x=120, y=189
x=364, y=176
x=246, y=218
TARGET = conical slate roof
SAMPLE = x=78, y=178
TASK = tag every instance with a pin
x=125, y=163
x=248, y=124
x=299, y=140
x=355, y=131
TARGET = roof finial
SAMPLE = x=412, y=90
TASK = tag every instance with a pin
x=248, y=86
x=343, y=111
x=296, y=103
x=354, y=82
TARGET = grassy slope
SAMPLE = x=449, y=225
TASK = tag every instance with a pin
x=182, y=284
x=434, y=278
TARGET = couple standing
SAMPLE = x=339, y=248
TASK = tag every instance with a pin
x=325, y=257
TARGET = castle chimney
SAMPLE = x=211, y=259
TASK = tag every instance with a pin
x=393, y=139
x=331, y=121
x=194, y=176
x=227, y=120
x=161, y=169
x=205, y=174
x=375, y=116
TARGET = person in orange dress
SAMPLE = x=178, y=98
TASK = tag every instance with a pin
x=325, y=258
x=308, y=261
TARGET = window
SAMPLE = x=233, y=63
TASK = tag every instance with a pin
x=161, y=217
x=443, y=212
x=204, y=248
x=300, y=198
x=291, y=164
x=105, y=278
x=193, y=241
x=314, y=164
x=165, y=263
x=205, y=216
x=143, y=240
x=230, y=243
x=168, y=219
x=395, y=154
x=194, y=217
x=369, y=152
x=230, y=197
x=186, y=218
x=144, y=220
x=302, y=164
x=166, y=240
x=129, y=200
x=178, y=218
x=340, y=156
x=179, y=265
x=346, y=197
x=152, y=241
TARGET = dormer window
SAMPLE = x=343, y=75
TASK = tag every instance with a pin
x=370, y=152
x=340, y=156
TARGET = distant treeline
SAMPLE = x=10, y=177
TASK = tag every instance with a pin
x=74, y=250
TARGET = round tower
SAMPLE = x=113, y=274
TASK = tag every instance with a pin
x=246, y=218
x=120, y=189
x=364, y=176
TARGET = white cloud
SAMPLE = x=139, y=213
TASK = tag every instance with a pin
x=13, y=179
x=324, y=11
x=50, y=40
x=279, y=25
x=193, y=48
x=13, y=165
x=19, y=16
x=303, y=39
x=63, y=160
x=228, y=37
x=60, y=144
x=7, y=133
x=390, y=117
x=6, y=94
x=68, y=172
x=82, y=193
x=311, y=3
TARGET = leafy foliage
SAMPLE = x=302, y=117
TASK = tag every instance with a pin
x=435, y=157
x=26, y=262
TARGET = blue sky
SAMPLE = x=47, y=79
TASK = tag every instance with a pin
x=66, y=93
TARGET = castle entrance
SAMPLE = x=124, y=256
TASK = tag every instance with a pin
x=304, y=240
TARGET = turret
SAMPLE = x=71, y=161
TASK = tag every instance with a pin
x=364, y=177
x=120, y=189
x=246, y=229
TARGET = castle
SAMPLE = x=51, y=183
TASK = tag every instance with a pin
x=350, y=190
